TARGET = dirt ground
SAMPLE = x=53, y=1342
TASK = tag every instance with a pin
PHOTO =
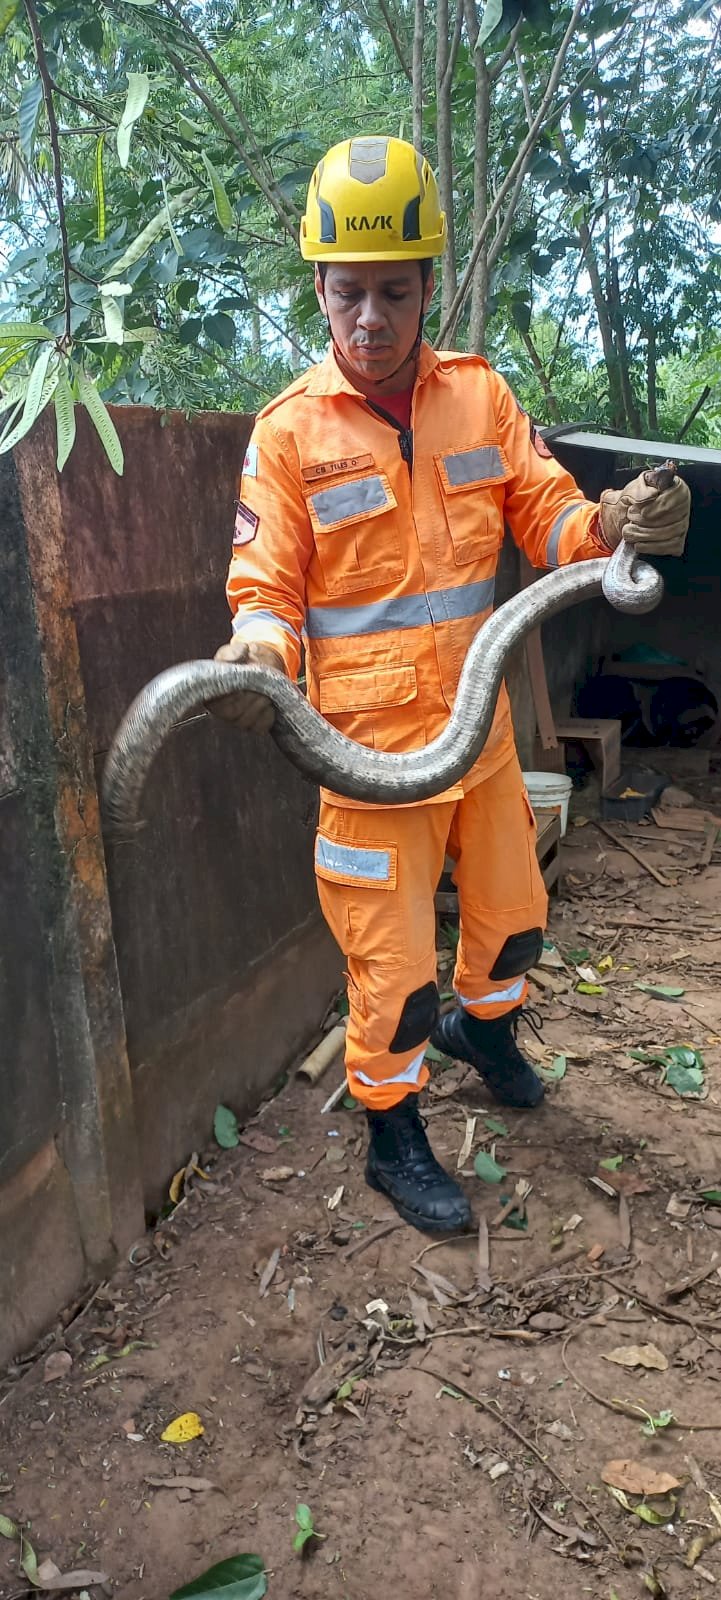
x=449, y=1439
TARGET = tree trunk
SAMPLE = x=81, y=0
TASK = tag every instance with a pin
x=651, y=376
x=479, y=287
x=554, y=410
x=605, y=326
x=444, y=135
x=624, y=366
x=418, y=41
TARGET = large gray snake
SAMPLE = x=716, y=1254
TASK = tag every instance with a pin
x=342, y=765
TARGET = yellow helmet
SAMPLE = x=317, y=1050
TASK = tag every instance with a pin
x=372, y=199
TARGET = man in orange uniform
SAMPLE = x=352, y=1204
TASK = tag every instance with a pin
x=374, y=495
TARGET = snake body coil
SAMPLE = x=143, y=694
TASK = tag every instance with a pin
x=326, y=756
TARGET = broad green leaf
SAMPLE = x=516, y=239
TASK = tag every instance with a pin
x=12, y=358
x=225, y=1127
x=487, y=1169
x=8, y=9
x=492, y=13
x=187, y=129
x=304, y=1516
x=711, y=1196
x=29, y=1561
x=8, y=1529
x=174, y=240
x=685, y=1080
x=220, y=328
x=660, y=991
x=113, y=318
x=31, y=100
x=577, y=113
x=102, y=422
x=590, y=988
x=223, y=208
x=64, y=419
x=611, y=1163
x=11, y=332
x=100, y=188
x=153, y=230
x=241, y=1577
x=138, y=90
x=39, y=389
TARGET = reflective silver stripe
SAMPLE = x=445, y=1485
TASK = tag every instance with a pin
x=513, y=992
x=352, y=860
x=405, y=611
x=469, y=466
x=345, y=500
x=243, y=619
x=410, y=1075
x=554, y=537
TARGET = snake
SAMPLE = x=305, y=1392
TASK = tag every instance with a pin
x=342, y=765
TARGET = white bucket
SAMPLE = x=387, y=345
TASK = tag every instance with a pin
x=549, y=791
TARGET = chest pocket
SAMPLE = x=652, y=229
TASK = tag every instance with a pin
x=475, y=519
x=356, y=534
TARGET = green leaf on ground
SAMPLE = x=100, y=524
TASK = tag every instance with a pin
x=555, y=1072
x=488, y=1170
x=306, y=1530
x=494, y=1125
x=711, y=1196
x=513, y=1220
x=590, y=988
x=653, y=1424
x=239, y=1578
x=611, y=1163
x=225, y=1127
x=660, y=991
x=683, y=1070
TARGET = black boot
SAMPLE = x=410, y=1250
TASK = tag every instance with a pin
x=491, y=1048
x=402, y=1166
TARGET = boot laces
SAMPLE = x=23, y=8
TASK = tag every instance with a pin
x=530, y=1015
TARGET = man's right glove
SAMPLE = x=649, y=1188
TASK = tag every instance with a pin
x=247, y=710
x=654, y=521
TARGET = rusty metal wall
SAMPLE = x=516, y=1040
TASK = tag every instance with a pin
x=142, y=983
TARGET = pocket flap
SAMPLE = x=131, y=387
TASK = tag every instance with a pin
x=352, y=500
x=366, y=866
x=362, y=691
x=478, y=467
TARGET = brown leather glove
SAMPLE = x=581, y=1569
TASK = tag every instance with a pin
x=655, y=521
x=247, y=710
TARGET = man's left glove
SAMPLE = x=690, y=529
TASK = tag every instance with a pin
x=654, y=521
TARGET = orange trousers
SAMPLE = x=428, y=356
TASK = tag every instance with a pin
x=377, y=873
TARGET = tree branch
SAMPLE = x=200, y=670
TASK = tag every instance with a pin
x=554, y=409
x=395, y=38
x=518, y=167
x=46, y=81
x=444, y=140
x=455, y=45
x=524, y=86
x=703, y=397
x=255, y=162
x=495, y=71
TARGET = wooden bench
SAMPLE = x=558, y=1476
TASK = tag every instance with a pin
x=601, y=737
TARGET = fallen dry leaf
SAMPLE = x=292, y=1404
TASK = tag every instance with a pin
x=269, y=1273
x=277, y=1174
x=58, y=1365
x=547, y=1322
x=253, y=1139
x=51, y=1578
x=638, y=1355
x=183, y=1428
x=181, y=1483
x=638, y=1478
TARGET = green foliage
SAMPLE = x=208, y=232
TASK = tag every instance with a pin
x=187, y=135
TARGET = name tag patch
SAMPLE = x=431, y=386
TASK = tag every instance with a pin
x=247, y=523
x=250, y=461
x=330, y=469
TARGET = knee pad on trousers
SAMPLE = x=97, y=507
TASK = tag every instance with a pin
x=520, y=951
x=419, y=1016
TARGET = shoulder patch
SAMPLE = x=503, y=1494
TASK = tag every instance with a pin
x=247, y=523
x=250, y=460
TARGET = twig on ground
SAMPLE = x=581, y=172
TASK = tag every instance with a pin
x=626, y=1407
x=661, y=1310
x=493, y=1410
x=622, y=844
x=373, y=1238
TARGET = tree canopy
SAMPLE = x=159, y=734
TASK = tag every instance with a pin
x=154, y=156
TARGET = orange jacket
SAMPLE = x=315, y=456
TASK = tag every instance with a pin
x=385, y=573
